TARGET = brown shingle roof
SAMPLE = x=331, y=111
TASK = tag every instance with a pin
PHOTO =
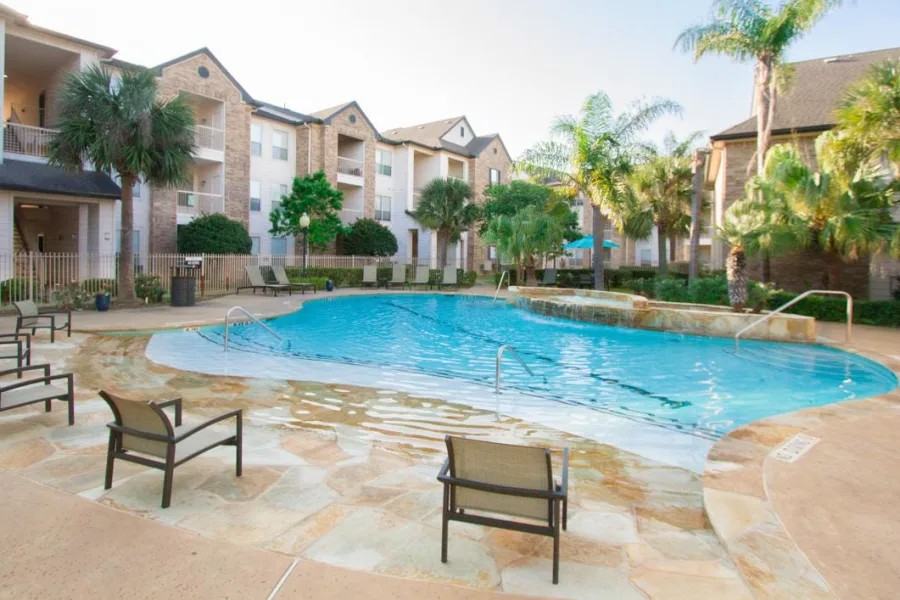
x=427, y=134
x=815, y=91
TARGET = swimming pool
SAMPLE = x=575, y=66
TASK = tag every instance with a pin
x=690, y=384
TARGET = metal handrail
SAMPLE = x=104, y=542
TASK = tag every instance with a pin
x=790, y=303
x=252, y=318
x=503, y=348
x=499, y=285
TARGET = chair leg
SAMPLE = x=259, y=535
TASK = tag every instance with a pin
x=556, y=521
x=445, y=521
x=565, y=509
x=169, y=474
x=47, y=406
x=110, y=459
x=52, y=334
x=238, y=447
x=69, y=326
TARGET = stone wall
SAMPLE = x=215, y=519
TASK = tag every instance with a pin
x=492, y=157
x=351, y=123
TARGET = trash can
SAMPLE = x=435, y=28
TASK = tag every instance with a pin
x=184, y=284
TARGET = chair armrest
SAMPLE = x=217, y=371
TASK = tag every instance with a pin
x=500, y=489
x=45, y=367
x=16, y=336
x=46, y=379
x=564, y=485
x=445, y=468
x=52, y=317
x=176, y=402
x=214, y=420
x=54, y=311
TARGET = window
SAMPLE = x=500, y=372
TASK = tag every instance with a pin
x=462, y=132
x=136, y=189
x=280, y=145
x=255, y=196
x=493, y=177
x=646, y=257
x=382, y=208
x=283, y=189
x=254, y=245
x=279, y=246
x=383, y=162
x=256, y=140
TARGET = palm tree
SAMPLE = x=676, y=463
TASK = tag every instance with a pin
x=752, y=30
x=119, y=125
x=592, y=155
x=662, y=183
x=445, y=208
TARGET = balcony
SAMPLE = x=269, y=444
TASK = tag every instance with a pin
x=193, y=204
x=350, y=215
x=209, y=137
x=417, y=197
x=27, y=140
x=350, y=171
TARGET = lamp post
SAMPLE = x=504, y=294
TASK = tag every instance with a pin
x=304, y=227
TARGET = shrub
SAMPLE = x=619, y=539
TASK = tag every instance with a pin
x=13, y=289
x=96, y=286
x=71, y=297
x=885, y=313
x=353, y=277
x=670, y=289
x=213, y=234
x=149, y=288
x=367, y=237
x=709, y=290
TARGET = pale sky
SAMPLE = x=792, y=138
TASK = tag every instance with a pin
x=511, y=66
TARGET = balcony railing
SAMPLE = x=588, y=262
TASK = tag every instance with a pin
x=199, y=203
x=27, y=139
x=417, y=197
x=209, y=137
x=349, y=215
x=350, y=166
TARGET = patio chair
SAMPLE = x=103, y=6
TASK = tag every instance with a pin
x=30, y=317
x=258, y=282
x=398, y=276
x=503, y=479
x=282, y=279
x=142, y=433
x=16, y=346
x=370, y=276
x=549, y=278
x=586, y=280
x=37, y=389
x=423, y=277
x=449, y=278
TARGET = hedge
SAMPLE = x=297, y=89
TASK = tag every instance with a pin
x=885, y=313
x=353, y=277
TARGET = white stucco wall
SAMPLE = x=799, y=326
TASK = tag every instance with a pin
x=270, y=173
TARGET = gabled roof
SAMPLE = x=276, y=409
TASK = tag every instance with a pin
x=245, y=96
x=327, y=114
x=22, y=19
x=426, y=134
x=27, y=176
x=283, y=114
x=815, y=90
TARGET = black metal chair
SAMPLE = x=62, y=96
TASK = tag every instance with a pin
x=30, y=317
x=16, y=346
x=37, y=389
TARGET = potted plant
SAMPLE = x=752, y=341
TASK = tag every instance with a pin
x=102, y=300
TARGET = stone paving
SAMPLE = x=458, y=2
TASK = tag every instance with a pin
x=345, y=476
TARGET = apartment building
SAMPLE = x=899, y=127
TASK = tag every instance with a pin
x=247, y=153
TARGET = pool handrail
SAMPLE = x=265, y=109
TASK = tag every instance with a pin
x=500, y=351
x=251, y=317
x=793, y=301
x=500, y=284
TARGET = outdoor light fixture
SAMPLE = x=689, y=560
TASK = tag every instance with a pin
x=304, y=226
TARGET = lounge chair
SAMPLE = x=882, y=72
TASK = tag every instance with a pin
x=517, y=481
x=370, y=276
x=398, y=276
x=449, y=278
x=282, y=279
x=423, y=277
x=258, y=282
x=16, y=346
x=142, y=433
x=30, y=317
x=549, y=278
x=586, y=280
x=37, y=389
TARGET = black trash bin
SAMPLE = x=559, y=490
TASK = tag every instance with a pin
x=184, y=284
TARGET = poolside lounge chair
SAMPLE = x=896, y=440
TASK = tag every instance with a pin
x=258, y=282
x=30, y=317
x=282, y=279
x=423, y=277
x=398, y=276
x=37, y=389
x=549, y=278
x=517, y=481
x=142, y=433
x=449, y=278
x=16, y=346
x=370, y=276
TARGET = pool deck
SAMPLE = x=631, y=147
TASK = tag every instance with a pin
x=339, y=494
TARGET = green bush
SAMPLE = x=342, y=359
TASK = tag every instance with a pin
x=13, y=289
x=709, y=290
x=213, y=234
x=353, y=277
x=149, y=288
x=670, y=289
x=95, y=286
x=367, y=237
x=885, y=313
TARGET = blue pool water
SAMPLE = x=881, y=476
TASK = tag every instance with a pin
x=698, y=385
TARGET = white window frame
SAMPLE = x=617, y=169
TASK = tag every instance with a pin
x=257, y=199
x=491, y=172
x=380, y=213
x=384, y=168
x=256, y=145
x=280, y=152
x=254, y=245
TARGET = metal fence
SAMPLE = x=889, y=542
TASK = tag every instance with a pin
x=41, y=276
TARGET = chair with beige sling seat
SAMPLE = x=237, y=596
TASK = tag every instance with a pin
x=370, y=276
x=143, y=433
x=258, y=282
x=17, y=347
x=398, y=276
x=33, y=318
x=482, y=479
x=35, y=390
x=282, y=279
x=423, y=277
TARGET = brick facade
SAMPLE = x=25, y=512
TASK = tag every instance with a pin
x=493, y=156
x=184, y=77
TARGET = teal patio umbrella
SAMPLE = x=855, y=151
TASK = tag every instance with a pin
x=587, y=243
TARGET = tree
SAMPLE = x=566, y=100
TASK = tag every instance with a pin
x=214, y=234
x=509, y=198
x=367, y=237
x=662, y=183
x=528, y=234
x=121, y=126
x=316, y=197
x=445, y=208
x=592, y=155
x=752, y=30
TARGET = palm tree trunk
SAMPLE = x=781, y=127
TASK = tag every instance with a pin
x=126, y=251
x=766, y=266
x=764, y=91
x=442, y=240
x=696, y=200
x=736, y=271
x=661, y=251
x=598, y=224
x=672, y=240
